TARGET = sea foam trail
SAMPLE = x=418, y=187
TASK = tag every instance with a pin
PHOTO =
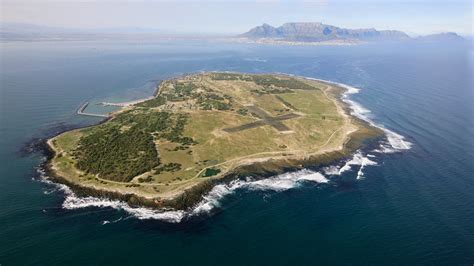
x=358, y=159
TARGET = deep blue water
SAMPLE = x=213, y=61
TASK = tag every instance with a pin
x=415, y=207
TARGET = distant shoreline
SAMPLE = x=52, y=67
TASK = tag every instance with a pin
x=271, y=41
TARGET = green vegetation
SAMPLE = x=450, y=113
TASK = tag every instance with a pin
x=230, y=76
x=213, y=101
x=180, y=91
x=211, y=172
x=271, y=90
x=146, y=179
x=214, y=105
x=155, y=102
x=273, y=84
x=120, y=154
x=243, y=111
x=116, y=155
x=170, y=167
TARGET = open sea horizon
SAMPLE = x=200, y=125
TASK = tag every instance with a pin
x=407, y=200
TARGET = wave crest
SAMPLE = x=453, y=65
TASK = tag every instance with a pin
x=358, y=159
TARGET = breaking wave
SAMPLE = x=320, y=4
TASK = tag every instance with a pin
x=358, y=159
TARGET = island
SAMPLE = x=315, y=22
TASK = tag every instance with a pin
x=204, y=129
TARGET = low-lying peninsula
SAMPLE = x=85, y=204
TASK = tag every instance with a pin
x=203, y=129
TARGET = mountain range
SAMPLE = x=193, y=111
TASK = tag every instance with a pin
x=299, y=33
x=319, y=32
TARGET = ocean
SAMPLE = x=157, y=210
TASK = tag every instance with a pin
x=406, y=200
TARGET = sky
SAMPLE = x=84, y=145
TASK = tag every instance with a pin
x=237, y=16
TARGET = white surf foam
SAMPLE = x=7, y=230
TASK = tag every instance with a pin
x=286, y=181
x=331, y=170
x=111, y=222
x=357, y=159
x=316, y=177
x=212, y=199
x=397, y=141
x=72, y=202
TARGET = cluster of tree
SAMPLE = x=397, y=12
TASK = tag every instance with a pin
x=169, y=167
x=174, y=132
x=147, y=120
x=180, y=92
x=214, y=105
x=271, y=90
x=213, y=101
x=270, y=82
x=145, y=179
x=184, y=88
x=155, y=102
x=230, y=76
x=242, y=111
x=124, y=147
x=116, y=155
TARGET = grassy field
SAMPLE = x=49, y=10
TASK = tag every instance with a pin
x=161, y=146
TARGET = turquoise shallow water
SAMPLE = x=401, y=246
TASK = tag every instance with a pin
x=415, y=206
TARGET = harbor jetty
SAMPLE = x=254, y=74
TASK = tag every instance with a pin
x=129, y=103
x=83, y=107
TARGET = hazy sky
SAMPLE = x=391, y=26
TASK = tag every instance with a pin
x=220, y=16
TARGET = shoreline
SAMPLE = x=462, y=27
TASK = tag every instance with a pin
x=137, y=101
x=260, y=168
x=282, y=42
x=80, y=110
